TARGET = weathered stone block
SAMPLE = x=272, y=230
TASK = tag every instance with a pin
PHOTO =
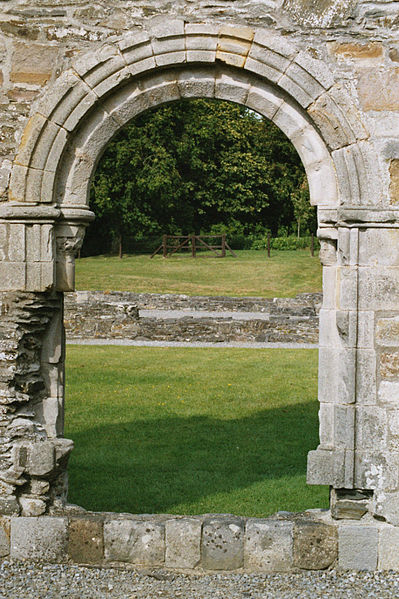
x=169, y=50
x=394, y=181
x=376, y=470
x=357, y=547
x=33, y=63
x=366, y=329
x=387, y=331
x=330, y=467
x=337, y=426
x=167, y=29
x=32, y=506
x=39, y=539
x=222, y=546
x=366, y=386
x=85, y=541
x=315, y=545
x=273, y=62
x=347, y=509
x=12, y=276
x=388, y=392
x=393, y=429
x=359, y=51
x=41, y=458
x=389, y=365
x=263, y=100
x=201, y=42
x=33, y=275
x=276, y=43
x=9, y=505
x=268, y=545
x=339, y=125
x=337, y=378
x=5, y=528
x=67, y=92
x=358, y=165
x=160, y=89
x=198, y=83
x=231, y=87
x=329, y=288
x=378, y=247
x=371, y=427
x=347, y=282
x=310, y=148
x=386, y=505
x=300, y=85
x=378, y=288
x=289, y=119
x=183, y=543
x=379, y=90
x=338, y=328
x=389, y=548
x=262, y=69
x=135, y=541
x=99, y=65
x=17, y=242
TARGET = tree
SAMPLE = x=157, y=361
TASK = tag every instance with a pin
x=303, y=211
x=188, y=166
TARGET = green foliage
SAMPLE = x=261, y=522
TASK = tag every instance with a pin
x=293, y=243
x=191, y=431
x=189, y=166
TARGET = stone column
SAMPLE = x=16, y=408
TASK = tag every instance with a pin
x=37, y=251
x=358, y=455
x=377, y=419
x=333, y=462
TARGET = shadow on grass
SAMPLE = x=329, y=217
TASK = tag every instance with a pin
x=156, y=465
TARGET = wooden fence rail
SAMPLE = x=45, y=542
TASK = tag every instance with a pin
x=173, y=243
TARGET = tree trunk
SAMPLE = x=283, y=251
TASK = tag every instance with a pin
x=299, y=228
x=120, y=245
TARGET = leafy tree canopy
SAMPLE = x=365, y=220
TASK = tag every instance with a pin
x=194, y=166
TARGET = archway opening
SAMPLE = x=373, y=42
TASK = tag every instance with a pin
x=205, y=430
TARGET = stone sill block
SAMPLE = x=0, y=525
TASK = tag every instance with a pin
x=284, y=542
x=211, y=542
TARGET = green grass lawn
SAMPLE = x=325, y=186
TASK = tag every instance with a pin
x=189, y=431
x=252, y=273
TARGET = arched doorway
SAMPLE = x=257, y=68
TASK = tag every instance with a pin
x=64, y=140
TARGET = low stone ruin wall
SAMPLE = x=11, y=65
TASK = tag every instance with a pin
x=282, y=543
x=123, y=315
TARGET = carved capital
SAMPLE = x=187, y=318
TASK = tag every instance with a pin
x=328, y=246
x=69, y=240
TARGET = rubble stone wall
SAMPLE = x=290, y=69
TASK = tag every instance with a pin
x=123, y=315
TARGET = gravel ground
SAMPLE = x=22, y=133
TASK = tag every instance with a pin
x=26, y=581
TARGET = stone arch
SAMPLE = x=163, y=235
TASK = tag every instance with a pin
x=103, y=90
x=224, y=83
x=43, y=222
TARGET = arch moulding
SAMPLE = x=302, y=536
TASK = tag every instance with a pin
x=42, y=227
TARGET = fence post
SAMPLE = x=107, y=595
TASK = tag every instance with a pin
x=312, y=245
x=164, y=248
x=193, y=248
x=268, y=245
x=224, y=245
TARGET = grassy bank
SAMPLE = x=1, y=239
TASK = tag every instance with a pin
x=285, y=274
x=192, y=430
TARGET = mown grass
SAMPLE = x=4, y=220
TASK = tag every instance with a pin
x=192, y=430
x=252, y=273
